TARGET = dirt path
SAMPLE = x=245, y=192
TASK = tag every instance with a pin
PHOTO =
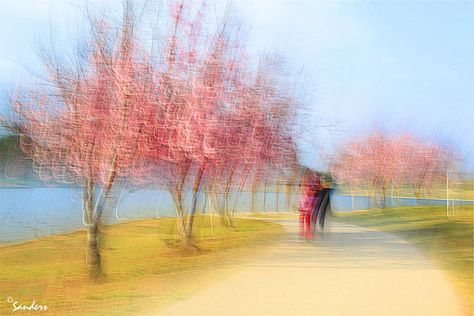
x=347, y=270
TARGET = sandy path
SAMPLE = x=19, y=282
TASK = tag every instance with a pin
x=347, y=270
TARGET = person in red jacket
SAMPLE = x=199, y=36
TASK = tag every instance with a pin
x=309, y=188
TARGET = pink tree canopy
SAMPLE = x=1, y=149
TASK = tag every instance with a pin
x=382, y=161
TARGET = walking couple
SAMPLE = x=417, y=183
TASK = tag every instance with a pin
x=313, y=201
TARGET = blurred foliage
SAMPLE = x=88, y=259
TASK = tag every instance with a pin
x=326, y=177
x=16, y=168
x=10, y=148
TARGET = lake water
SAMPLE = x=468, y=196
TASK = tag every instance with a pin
x=28, y=213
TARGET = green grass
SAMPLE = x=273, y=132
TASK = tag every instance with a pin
x=448, y=241
x=144, y=269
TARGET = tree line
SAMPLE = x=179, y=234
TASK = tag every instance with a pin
x=180, y=112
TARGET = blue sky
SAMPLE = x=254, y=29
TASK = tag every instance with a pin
x=397, y=66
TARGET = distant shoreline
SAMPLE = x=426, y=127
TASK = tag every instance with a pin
x=412, y=198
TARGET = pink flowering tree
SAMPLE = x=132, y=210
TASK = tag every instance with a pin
x=87, y=126
x=382, y=162
x=421, y=164
x=216, y=121
x=191, y=87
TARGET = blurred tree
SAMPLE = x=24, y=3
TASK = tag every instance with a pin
x=86, y=126
x=382, y=162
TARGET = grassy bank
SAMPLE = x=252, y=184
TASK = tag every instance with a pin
x=448, y=241
x=144, y=270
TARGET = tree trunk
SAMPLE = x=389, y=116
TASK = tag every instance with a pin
x=255, y=182
x=93, y=234
x=176, y=191
x=265, y=195
x=352, y=197
x=95, y=267
x=237, y=196
x=183, y=237
x=227, y=210
x=211, y=207
x=367, y=193
x=384, y=194
x=94, y=262
x=92, y=250
x=88, y=202
x=277, y=194
x=196, y=185
x=93, y=254
x=288, y=197
x=252, y=199
x=227, y=217
x=180, y=219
